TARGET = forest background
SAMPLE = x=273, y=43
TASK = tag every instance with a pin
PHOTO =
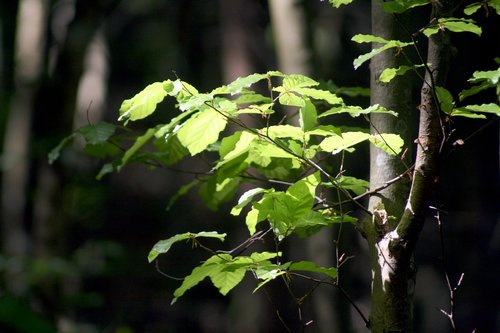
x=74, y=250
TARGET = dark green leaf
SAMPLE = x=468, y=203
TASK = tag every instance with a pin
x=98, y=133
x=399, y=6
x=56, y=151
x=309, y=266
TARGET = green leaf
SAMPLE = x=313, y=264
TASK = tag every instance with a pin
x=262, y=149
x=474, y=90
x=495, y=4
x=294, y=81
x=309, y=266
x=144, y=103
x=291, y=98
x=319, y=94
x=390, y=73
x=234, y=146
x=308, y=117
x=201, y=130
x=364, y=38
x=254, y=217
x=208, y=268
x=164, y=246
x=244, y=82
x=102, y=150
x=484, y=80
x=483, y=108
x=338, y=3
x=169, y=150
x=285, y=210
x=56, y=151
x=399, y=6
x=472, y=8
x=216, y=191
x=356, y=185
x=386, y=45
x=106, y=168
x=195, y=102
x=251, y=97
x=455, y=25
x=245, y=199
x=283, y=131
x=355, y=111
x=390, y=143
x=98, y=133
x=445, y=99
x=463, y=112
x=337, y=143
x=492, y=77
x=139, y=142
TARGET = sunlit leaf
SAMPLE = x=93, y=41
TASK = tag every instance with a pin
x=308, y=117
x=445, y=99
x=319, y=94
x=195, y=102
x=244, y=82
x=337, y=143
x=463, y=112
x=246, y=198
x=208, y=268
x=390, y=73
x=365, y=38
x=356, y=185
x=291, y=98
x=338, y=3
x=201, y=130
x=228, y=276
x=294, y=81
x=483, y=108
x=472, y=8
x=390, y=143
x=483, y=80
x=164, y=246
x=386, y=45
x=144, y=103
x=455, y=25
x=284, y=131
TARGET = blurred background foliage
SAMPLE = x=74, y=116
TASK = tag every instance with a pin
x=73, y=249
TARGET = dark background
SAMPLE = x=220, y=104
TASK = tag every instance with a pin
x=79, y=263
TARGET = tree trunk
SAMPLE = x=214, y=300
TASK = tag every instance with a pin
x=392, y=244
x=29, y=57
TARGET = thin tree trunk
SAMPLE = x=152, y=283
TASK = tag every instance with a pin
x=392, y=244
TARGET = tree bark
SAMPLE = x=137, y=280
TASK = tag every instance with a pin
x=392, y=244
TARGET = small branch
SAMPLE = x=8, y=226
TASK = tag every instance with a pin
x=158, y=269
x=451, y=289
x=342, y=290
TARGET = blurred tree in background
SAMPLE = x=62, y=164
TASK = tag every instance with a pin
x=73, y=250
